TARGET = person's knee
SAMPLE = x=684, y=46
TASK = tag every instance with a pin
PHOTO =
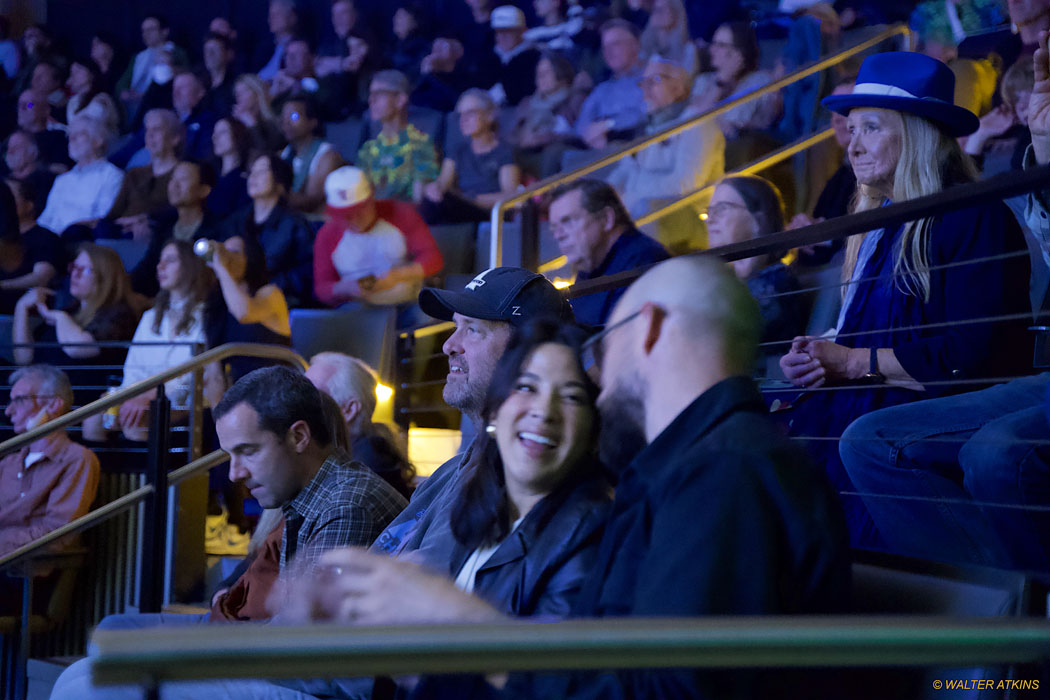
x=990, y=461
x=862, y=443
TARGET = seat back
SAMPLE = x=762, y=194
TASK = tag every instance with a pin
x=365, y=332
x=456, y=243
x=346, y=136
x=131, y=251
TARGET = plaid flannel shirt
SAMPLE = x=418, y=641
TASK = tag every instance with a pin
x=344, y=504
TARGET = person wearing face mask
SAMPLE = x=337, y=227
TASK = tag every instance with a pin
x=141, y=71
x=46, y=484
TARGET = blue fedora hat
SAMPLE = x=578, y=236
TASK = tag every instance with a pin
x=908, y=82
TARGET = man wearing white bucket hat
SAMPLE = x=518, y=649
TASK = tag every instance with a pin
x=377, y=251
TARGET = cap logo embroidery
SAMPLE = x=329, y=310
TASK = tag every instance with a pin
x=516, y=311
x=478, y=281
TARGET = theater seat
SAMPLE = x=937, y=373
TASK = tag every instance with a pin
x=347, y=136
x=130, y=250
x=456, y=243
x=365, y=332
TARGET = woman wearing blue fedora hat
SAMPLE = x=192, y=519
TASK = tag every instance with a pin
x=906, y=330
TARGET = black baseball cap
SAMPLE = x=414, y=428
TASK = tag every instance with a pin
x=510, y=294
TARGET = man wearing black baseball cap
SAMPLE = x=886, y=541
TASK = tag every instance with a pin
x=485, y=312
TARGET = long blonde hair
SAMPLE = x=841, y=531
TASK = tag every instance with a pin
x=930, y=160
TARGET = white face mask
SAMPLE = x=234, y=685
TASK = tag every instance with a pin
x=162, y=74
x=38, y=419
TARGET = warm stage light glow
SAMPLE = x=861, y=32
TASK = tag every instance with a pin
x=383, y=392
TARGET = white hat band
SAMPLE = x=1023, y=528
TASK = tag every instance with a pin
x=881, y=89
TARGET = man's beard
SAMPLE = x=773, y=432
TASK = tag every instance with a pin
x=623, y=433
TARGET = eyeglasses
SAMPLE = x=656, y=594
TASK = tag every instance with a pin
x=27, y=398
x=719, y=210
x=591, y=350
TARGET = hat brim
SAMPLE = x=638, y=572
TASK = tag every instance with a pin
x=344, y=212
x=442, y=303
x=957, y=121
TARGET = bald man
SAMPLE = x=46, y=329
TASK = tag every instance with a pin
x=717, y=513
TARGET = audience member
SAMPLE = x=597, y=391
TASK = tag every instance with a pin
x=615, y=109
x=283, y=21
x=284, y=234
x=10, y=58
x=36, y=47
x=48, y=483
x=410, y=45
x=30, y=256
x=401, y=159
x=485, y=313
x=443, y=76
x=703, y=433
x=247, y=309
x=667, y=34
x=219, y=57
x=557, y=31
x=679, y=165
x=187, y=99
x=514, y=70
x=104, y=55
x=311, y=158
x=594, y=231
x=344, y=18
x=477, y=171
x=346, y=63
x=231, y=143
x=352, y=384
x=941, y=27
x=100, y=311
x=33, y=118
x=734, y=57
x=167, y=335
x=136, y=80
x=837, y=195
x=22, y=159
x=299, y=79
x=1001, y=140
x=252, y=108
x=373, y=251
x=187, y=219
x=743, y=208
x=273, y=426
x=980, y=447
x=546, y=117
x=145, y=189
x=86, y=193
x=89, y=95
x=903, y=289
x=48, y=83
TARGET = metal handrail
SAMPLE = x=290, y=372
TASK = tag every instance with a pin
x=111, y=509
x=326, y=651
x=271, y=352
x=547, y=184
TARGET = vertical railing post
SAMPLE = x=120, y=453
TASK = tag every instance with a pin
x=403, y=373
x=22, y=656
x=530, y=235
x=154, y=541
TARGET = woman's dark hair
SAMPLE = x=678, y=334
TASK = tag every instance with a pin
x=201, y=279
x=562, y=67
x=480, y=513
x=241, y=137
x=746, y=43
x=281, y=396
x=762, y=199
x=280, y=169
x=92, y=68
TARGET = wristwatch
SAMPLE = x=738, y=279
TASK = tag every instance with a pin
x=874, y=376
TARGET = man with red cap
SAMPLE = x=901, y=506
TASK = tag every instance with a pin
x=377, y=251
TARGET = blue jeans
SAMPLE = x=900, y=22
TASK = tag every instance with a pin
x=962, y=450
x=75, y=682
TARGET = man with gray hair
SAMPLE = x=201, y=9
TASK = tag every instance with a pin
x=53, y=480
x=352, y=385
x=401, y=159
x=86, y=193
